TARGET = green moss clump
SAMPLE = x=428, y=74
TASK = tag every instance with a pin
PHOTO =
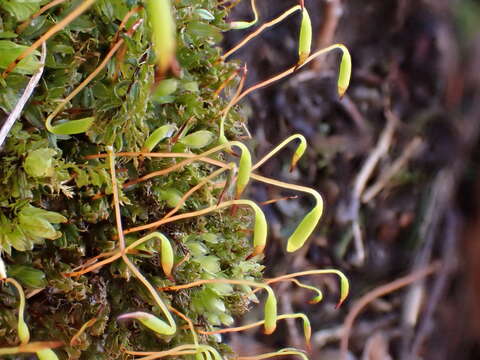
x=52, y=218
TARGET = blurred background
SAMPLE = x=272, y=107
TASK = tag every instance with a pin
x=397, y=163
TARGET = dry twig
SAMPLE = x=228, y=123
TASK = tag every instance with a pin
x=361, y=180
x=411, y=149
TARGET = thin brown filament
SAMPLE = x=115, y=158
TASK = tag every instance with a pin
x=283, y=74
x=273, y=201
x=259, y=31
x=116, y=201
x=94, y=259
x=114, y=257
x=188, y=321
x=175, y=218
x=273, y=281
x=159, y=155
x=237, y=92
x=224, y=84
x=195, y=188
x=84, y=327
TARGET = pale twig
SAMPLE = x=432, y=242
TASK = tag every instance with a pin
x=411, y=149
x=452, y=232
x=17, y=110
x=378, y=152
x=366, y=299
x=362, y=178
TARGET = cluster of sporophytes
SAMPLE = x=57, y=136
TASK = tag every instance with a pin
x=123, y=230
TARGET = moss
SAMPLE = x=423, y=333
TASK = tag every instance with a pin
x=50, y=172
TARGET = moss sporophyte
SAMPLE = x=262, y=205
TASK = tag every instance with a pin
x=123, y=182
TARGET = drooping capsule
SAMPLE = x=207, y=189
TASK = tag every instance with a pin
x=305, y=40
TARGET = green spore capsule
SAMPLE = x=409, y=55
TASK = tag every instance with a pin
x=345, y=71
x=305, y=41
x=244, y=169
x=47, y=354
x=270, y=312
x=306, y=226
x=304, y=229
x=71, y=127
x=150, y=321
x=162, y=133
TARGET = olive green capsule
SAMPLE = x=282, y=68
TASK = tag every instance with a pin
x=22, y=328
x=304, y=229
x=241, y=25
x=47, y=354
x=345, y=71
x=163, y=132
x=150, y=321
x=23, y=331
x=260, y=230
x=307, y=330
x=163, y=31
x=299, y=151
x=344, y=287
x=244, y=169
x=296, y=156
x=270, y=312
x=71, y=127
x=198, y=139
x=314, y=300
x=289, y=351
x=166, y=255
x=305, y=41
x=306, y=226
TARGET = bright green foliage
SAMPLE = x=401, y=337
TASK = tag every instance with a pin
x=157, y=93
x=49, y=222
